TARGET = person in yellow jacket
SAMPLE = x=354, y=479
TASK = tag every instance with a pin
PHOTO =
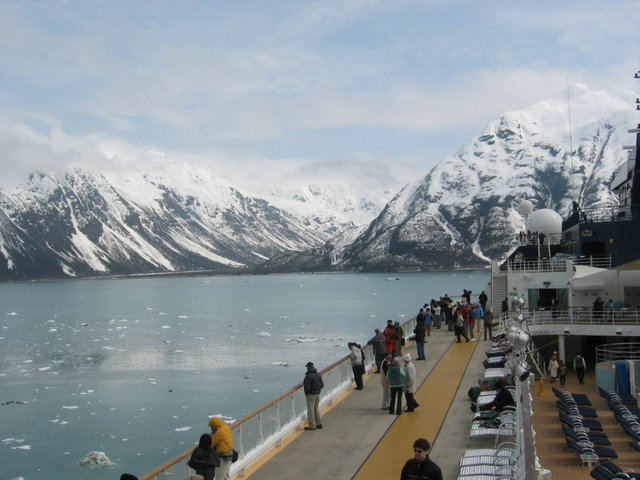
x=222, y=441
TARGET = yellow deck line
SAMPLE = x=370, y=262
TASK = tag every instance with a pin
x=435, y=396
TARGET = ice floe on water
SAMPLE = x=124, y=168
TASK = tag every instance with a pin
x=264, y=334
x=182, y=429
x=12, y=314
x=166, y=326
x=282, y=364
x=96, y=459
x=306, y=339
x=183, y=316
x=70, y=407
x=22, y=447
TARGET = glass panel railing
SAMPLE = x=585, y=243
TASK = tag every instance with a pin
x=266, y=426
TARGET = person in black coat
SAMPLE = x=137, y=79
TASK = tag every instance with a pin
x=421, y=466
x=204, y=458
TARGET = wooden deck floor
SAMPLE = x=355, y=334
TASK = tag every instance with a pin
x=550, y=440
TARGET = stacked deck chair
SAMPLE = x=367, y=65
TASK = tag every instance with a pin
x=580, y=399
x=504, y=425
x=580, y=423
x=584, y=412
x=627, y=417
x=580, y=435
x=588, y=449
x=629, y=400
x=608, y=470
x=505, y=453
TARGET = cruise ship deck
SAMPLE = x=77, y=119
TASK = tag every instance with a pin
x=361, y=441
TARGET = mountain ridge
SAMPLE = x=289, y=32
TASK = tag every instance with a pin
x=462, y=213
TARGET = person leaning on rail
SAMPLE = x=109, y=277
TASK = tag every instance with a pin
x=222, y=441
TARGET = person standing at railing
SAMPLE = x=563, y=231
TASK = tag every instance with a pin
x=313, y=385
x=598, y=309
x=222, y=441
x=357, y=363
x=204, y=458
x=379, y=348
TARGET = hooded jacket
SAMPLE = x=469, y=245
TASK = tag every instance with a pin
x=222, y=440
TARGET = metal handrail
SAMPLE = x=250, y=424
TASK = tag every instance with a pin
x=269, y=424
x=618, y=351
x=583, y=316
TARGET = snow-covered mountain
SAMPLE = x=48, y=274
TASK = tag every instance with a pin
x=464, y=212
x=80, y=223
x=349, y=204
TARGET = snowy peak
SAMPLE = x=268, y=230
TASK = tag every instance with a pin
x=464, y=212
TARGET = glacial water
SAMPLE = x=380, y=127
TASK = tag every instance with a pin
x=134, y=367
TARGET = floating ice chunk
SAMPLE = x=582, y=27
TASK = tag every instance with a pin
x=12, y=314
x=182, y=429
x=149, y=308
x=166, y=341
x=53, y=329
x=166, y=326
x=199, y=338
x=70, y=407
x=22, y=447
x=264, y=334
x=256, y=391
x=305, y=340
x=44, y=369
x=96, y=459
x=178, y=351
x=183, y=316
x=283, y=364
x=268, y=323
x=107, y=347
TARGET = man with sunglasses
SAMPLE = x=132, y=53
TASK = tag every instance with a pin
x=421, y=467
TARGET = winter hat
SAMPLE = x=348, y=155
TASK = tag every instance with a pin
x=407, y=357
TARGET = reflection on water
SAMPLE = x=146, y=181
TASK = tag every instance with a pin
x=134, y=367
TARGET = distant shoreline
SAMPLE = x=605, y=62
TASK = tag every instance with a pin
x=224, y=273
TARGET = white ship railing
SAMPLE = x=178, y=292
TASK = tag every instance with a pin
x=618, y=351
x=554, y=264
x=267, y=426
x=583, y=316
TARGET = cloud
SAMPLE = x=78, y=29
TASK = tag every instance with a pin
x=355, y=87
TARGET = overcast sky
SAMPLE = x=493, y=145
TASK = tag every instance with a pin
x=265, y=91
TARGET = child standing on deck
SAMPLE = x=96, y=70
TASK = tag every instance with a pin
x=562, y=372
